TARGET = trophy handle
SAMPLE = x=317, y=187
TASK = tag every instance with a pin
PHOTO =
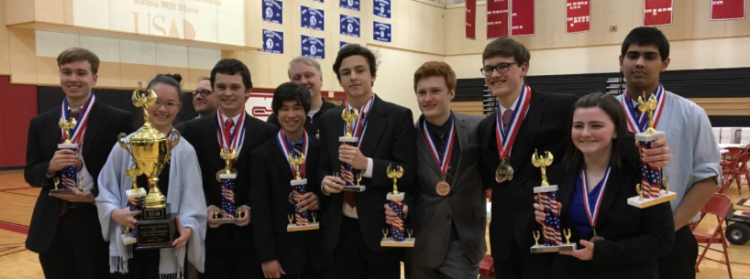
x=124, y=145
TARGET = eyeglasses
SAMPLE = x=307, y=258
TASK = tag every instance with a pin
x=168, y=105
x=203, y=93
x=500, y=68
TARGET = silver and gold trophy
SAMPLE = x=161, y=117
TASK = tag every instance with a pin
x=299, y=220
x=395, y=201
x=348, y=173
x=649, y=190
x=548, y=199
x=150, y=151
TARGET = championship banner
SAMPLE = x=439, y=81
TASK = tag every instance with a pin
x=657, y=12
x=382, y=8
x=312, y=18
x=349, y=26
x=381, y=31
x=349, y=4
x=497, y=19
x=272, y=10
x=522, y=18
x=313, y=47
x=578, y=16
x=471, y=18
x=727, y=9
x=273, y=41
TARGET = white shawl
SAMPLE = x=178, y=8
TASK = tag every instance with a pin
x=185, y=197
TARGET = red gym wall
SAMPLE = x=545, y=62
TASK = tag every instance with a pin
x=19, y=104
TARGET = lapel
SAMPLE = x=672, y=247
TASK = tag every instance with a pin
x=249, y=136
x=527, y=133
x=375, y=127
x=462, y=131
x=281, y=162
x=212, y=145
x=96, y=118
x=424, y=149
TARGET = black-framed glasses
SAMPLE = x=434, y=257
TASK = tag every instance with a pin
x=500, y=68
x=203, y=93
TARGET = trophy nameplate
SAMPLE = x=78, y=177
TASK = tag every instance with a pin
x=156, y=233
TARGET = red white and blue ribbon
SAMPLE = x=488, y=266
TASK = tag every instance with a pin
x=287, y=148
x=505, y=139
x=551, y=226
x=638, y=121
x=592, y=210
x=443, y=162
x=237, y=135
x=76, y=134
x=397, y=227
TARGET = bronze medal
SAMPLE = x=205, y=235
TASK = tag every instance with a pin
x=596, y=238
x=504, y=172
x=443, y=188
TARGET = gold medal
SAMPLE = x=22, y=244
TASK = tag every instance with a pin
x=504, y=172
x=443, y=188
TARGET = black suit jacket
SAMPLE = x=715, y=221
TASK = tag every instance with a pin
x=201, y=133
x=389, y=139
x=544, y=129
x=104, y=124
x=635, y=237
x=269, y=199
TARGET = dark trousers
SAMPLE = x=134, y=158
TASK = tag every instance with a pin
x=680, y=263
x=143, y=265
x=352, y=259
x=232, y=262
x=523, y=265
x=308, y=272
x=78, y=249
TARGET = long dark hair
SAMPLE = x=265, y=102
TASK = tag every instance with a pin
x=573, y=157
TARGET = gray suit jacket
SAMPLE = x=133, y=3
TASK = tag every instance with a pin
x=432, y=214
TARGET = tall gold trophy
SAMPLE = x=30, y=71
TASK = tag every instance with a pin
x=150, y=151
x=348, y=173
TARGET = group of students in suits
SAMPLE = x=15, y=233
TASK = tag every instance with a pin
x=77, y=234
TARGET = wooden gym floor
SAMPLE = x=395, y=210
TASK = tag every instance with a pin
x=17, y=201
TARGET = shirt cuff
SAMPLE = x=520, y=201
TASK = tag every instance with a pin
x=322, y=189
x=368, y=170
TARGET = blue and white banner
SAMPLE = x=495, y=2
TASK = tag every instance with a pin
x=312, y=18
x=318, y=1
x=382, y=8
x=381, y=31
x=272, y=11
x=349, y=25
x=313, y=47
x=273, y=41
x=349, y=4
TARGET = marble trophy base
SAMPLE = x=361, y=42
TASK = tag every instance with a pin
x=545, y=189
x=295, y=182
x=349, y=139
x=128, y=239
x=156, y=233
x=390, y=242
x=61, y=191
x=355, y=188
x=309, y=227
x=664, y=196
x=552, y=249
x=650, y=137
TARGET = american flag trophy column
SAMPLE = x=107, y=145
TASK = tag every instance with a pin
x=649, y=190
x=396, y=199
x=227, y=176
x=299, y=221
x=548, y=199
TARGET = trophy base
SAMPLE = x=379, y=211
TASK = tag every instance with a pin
x=128, y=239
x=298, y=182
x=552, y=249
x=544, y=189
x=295, y=228
x=228, y=220
x=354, y=188
x=132, y=194
x=665, y=197
x=156, y=234
x=409, y=243
x=67, y=146
x=228, y=176
x=392, y=197
x=348, y=139
x=650, y=137
x=61, y=191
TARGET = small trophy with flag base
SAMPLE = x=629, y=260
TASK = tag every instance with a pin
x=299, y=220
x=69, y=173
x=348, y=173
x=649, y=190
x=227, y=214
x=396, y=199
x=548, y=199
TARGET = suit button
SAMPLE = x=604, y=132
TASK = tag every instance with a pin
x=448, y=216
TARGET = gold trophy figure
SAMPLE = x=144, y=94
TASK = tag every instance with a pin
x=151, y=151
x=396, y=199
x=650, y=190
x=299, y=185
x=548, y=199
x=350, y=176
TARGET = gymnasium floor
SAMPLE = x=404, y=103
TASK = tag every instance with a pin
x=17, y=202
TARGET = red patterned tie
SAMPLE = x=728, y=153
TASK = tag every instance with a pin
x=228, y=124
x=506, y=119
x=64, y=205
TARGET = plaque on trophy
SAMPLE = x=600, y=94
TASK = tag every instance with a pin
x=348, y=173
x=395, y=202
x=548, y=199
x=151, y=151
x=299, y=221
x=650, y=190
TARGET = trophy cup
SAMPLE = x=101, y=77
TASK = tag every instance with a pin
x=548, y=198
x=69, y=173
x=649, y=190
x=347, y=171
x=395, y=202
x=300, y=188
x=151, y=150
x=227, y=213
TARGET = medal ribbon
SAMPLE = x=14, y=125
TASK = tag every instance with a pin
x=593, y=212
x=76, y=134
x=444, y=162
x=639, y=124
x=360, y=125
x=237, y=135
x=505, y=140
x=287, y=148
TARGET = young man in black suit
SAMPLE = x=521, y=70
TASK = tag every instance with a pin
x=283, y=253
x=230, y=251
x=65, y=228
x=352, y=222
